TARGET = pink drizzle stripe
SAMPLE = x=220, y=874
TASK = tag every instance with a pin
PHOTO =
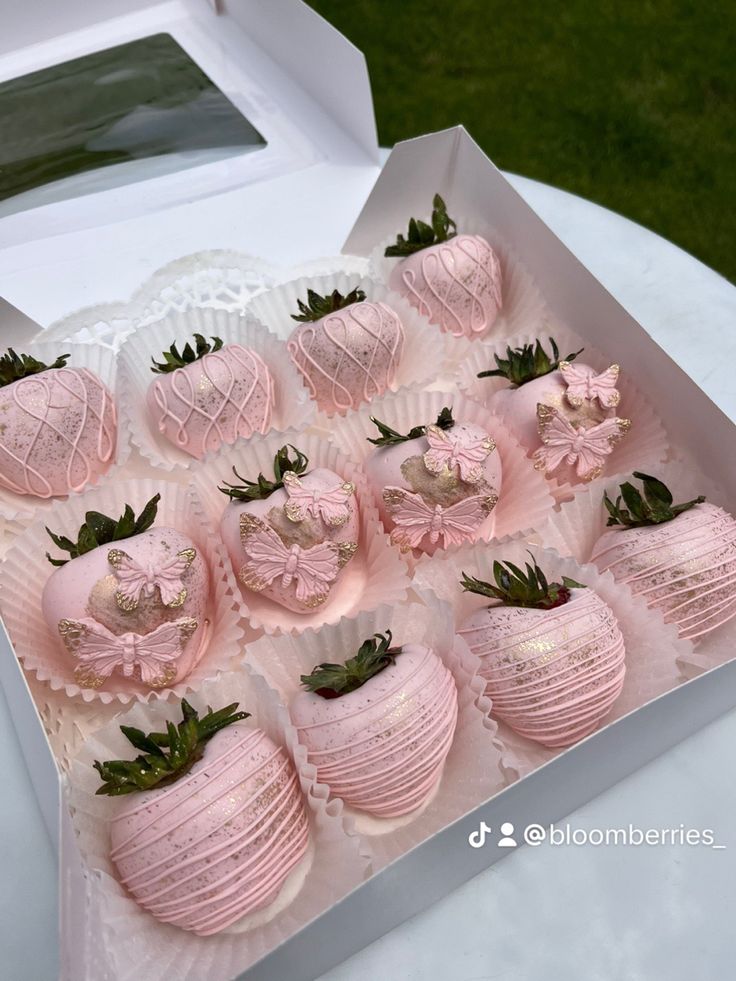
x=449, y=299
x=554, y=681
x=242, y=855
x=234, y=416
x=686, y=569
x=97, y=413
x=365, y=344
x=394, y=766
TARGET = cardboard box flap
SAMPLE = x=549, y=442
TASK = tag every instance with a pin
x=451, y=163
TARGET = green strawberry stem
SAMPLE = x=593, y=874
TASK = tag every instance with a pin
x=421, y=235
x=529, y=589
x=389, y=436
x=333, y=680
x=166, y=756
x=98, y=529
x=261, y=488
x=654, y=508
x=318, y=306
x=173, y=359
x=524, y=364
x=16, y=366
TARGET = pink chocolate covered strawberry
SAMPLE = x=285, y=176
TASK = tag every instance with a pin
x=379, y=727
x=289, y=538
x=347, y=349
x=210, y=394
x=130, y=604
x=214, y=823
x=680, y=558
x=552, y=654
x=437, y=484
x=560, y=410
x=453, y=279
x=58, y=428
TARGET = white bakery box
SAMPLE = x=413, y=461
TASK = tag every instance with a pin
x=306, y=90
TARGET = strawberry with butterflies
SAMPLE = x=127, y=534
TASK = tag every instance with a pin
x=437, y=484
x=289, y=537
x=130, y=603
x=562, y=411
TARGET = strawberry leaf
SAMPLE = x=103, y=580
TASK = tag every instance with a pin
x=389, y=436
x=524, y=364
x=420, y=235
x=514, y=587
x=261, y=488
x=653, y=507
x=98, y=529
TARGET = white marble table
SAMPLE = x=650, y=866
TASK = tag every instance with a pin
x=582, y=914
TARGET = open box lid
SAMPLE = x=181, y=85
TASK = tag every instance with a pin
x=452, y=164
x=296, y=81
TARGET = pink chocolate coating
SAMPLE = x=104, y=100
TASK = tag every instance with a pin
x=382, y=747
x=552, y=675
x=456, y=284
x=686, y=568
x=84, y=590
x=350, y=356
x=401, y=465
x=58, y=432
x=312, y=530
x=218, y=843
x=224, y=395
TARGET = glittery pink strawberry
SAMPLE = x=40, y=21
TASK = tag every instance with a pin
x=437, y=484
x=130, y=604
x=210, y=395
x=58, y=428
x=552, y=654
x=453, y=279
x=378, y=728
x=290, y=538
x=347, y=349
x=680, y=558
x=561, y=410
x=214, y=824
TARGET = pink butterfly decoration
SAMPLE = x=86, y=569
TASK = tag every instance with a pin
x=100, y=652
x=135, y=579
x=414, y=518
x=563, y=442
x=584, y=384
x=467, y=453
x=268, y=559
x=332, y=506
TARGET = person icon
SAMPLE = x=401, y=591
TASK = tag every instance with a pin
x=507, y=829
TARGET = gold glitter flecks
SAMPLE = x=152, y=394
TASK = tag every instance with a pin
x=251, y=580
x=249, y=524
x=165, y=678
x=488, y=503
x=345, y=552
x=393, y=496
x=187, y=626
x=178, y=600
x=592, y=474
x=293, y=512
x=86, y=677
x=314, y=601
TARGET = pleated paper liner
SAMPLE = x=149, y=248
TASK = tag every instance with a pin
x=652, y=647
x=333, y=867
x=374, y=575
x=292, y=406
x=25, y=570
x=471, y=772
x=22, y=508
x=427, y=358
x=524, y=500
x=523, y=306
x=579, y=523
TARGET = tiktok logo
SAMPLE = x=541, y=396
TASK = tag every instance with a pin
x=476, y=839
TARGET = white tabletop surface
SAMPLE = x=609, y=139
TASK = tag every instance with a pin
x=575, y=913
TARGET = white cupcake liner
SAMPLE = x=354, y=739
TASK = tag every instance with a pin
x=646, y=443
x=428, y=356
x=578, y=525
x=374, y=575
x=523, y=306
x=472, y=770
x=524, y=501
x=139, y=946
x=218, y=278
x=25, y=570
x=23, y=508
x=292, y=405
x=652, y=647
x=331, y=265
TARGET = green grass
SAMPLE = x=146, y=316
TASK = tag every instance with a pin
x=632, y=105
